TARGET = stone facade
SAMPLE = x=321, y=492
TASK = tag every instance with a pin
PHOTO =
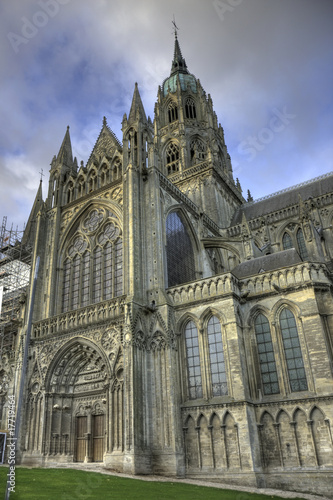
x=178, y=329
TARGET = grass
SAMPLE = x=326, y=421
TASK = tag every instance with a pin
x=70, y=484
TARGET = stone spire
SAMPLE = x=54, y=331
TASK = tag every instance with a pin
x=178, y=63
x=65, y=155
x=137, y=109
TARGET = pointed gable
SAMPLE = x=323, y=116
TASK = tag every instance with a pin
x=107, y=145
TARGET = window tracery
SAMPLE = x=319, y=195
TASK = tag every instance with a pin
x=172, y=112
x=92, y=269
x=172, y=158
x=298, y=241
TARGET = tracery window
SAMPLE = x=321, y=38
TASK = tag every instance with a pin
x=190, y=111
x=172, y=158
x=193, y=361
x=216, y=357
x=266, y=356
x=298, y=242
x=172, y=112
x=179, y=251
x=197, y=151
x=92, y=270
x=292, y=351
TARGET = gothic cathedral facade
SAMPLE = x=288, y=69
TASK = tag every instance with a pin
x=179, y=329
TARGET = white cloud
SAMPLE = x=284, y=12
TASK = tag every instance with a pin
x=83, y=64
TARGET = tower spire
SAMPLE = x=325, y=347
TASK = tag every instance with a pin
x=178, y=63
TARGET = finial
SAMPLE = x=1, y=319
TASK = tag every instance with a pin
x=175, y=27
x=104, y=120
x=41, y=175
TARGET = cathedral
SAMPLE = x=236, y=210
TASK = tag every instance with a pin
x=178, y=328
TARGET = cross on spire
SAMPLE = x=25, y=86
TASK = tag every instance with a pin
x=175, y=27
x=41, y=175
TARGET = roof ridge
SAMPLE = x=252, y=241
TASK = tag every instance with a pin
x=286, y=190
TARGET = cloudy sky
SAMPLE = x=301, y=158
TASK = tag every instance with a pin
x=267, y=64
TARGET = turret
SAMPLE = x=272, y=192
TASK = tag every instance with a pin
x=62, y=165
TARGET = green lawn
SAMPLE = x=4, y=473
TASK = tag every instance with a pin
x=60, y=484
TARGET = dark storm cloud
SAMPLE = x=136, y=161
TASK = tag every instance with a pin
x=267, y=64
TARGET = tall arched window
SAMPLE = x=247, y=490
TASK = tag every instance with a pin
x=267, y=364
x=172, y=112
x=301, y=245
x=172, y=158
x=193, y=361
x=292, y=351
x=287, y=241
x=92, y=269
x=216, y=357
x=179, y=251
x=190, y=111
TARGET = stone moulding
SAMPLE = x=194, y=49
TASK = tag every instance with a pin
x=304, y=274
x=85, y=316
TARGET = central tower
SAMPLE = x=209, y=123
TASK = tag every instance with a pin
x=191, y=143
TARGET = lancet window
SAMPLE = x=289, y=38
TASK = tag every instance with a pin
x=269, y=377
x=172, y=158
x=92, y=269
x=213, y=364
x=172, y=112
x=179, y=251
x=298, y=242
x=292, y=352
x=190, y=111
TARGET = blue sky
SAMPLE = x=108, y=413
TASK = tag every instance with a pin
x=267, y=64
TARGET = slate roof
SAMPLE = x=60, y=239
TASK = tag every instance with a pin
x=277, y=201
x=265, y=263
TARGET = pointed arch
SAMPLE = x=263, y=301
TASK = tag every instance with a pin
x=191, y=444
x=287, y=241
x=179, y=250
x=321, y=437
x=266, y=356
x=301, y=244
x=292, y=351
x=190, y=109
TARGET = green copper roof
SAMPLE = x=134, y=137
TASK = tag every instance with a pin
x=179, y=70
x=185, y=80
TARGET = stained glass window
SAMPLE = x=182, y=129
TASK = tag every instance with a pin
x=91, y=276
x=216, y=356
x=301, y=245
x=287, y=241
x=267, y=364
x=193, y=361
x=292, y=351
x=180, y=257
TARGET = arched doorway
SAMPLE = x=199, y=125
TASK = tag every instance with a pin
x=77, y=403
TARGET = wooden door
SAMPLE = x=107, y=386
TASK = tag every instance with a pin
x=98, y=428
x=81, y=430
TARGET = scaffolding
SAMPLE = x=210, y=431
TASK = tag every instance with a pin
x=15, y=264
